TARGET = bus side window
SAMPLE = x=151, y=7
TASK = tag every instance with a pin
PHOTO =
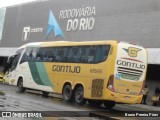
x=52, y=54
x=27, y=55
x=75, y=54
x=106, y=49
x=39, y=55
x=83, y=55
x=92, y=54
x=56, y=54
x=59, y=54
x=102, y=53
x=79, y=53
x=70, y=54
x=99, y=54
x=30, y=54
x=64, y=57
x=48, y=54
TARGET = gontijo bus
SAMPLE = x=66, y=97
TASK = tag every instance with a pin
x=106, y=72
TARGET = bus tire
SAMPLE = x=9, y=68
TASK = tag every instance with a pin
x=67, y=93
x=109, y=104
x=45, y=94
x=20, y=85
x=79, y=95
x=94, y=103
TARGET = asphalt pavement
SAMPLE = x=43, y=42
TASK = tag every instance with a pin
x=33, y=101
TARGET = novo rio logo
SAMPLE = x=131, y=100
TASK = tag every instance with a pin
x=132, y=51
x=53, y=26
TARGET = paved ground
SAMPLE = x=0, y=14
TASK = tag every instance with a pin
x=29, y=101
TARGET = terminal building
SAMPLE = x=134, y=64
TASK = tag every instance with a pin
x=84, y=20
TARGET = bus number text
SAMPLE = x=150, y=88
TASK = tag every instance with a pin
x=99, y=71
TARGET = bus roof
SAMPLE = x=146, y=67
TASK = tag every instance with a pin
x=68, y=43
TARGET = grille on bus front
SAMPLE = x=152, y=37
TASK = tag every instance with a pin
x=97, y=88
x=128, y=73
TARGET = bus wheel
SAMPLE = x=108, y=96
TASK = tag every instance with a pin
x=94, y=103
x=67, y=93
x=79, y=95
x=20, y=85
x=45, y=94
x=109, y=104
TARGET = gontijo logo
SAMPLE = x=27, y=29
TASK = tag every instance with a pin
x=53, y=26
x=132, y=51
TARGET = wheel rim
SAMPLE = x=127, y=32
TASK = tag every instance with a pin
x=67, y=94
x=20, y=85
x=79, y=95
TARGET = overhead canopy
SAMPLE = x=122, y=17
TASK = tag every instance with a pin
x=153, y=55
x=5, y=52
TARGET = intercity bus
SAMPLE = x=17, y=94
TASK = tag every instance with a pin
x=107, y=72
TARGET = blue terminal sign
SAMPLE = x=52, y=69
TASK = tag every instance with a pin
x=53, y=26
